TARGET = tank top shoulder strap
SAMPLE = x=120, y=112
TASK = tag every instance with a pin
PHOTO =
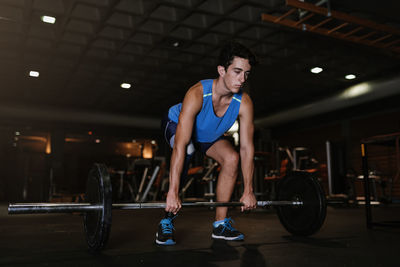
x=207, y=87
x=238, y=97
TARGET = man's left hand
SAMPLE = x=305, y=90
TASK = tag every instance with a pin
x=249, y=201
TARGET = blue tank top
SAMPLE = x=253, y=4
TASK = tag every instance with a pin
x=208, y=127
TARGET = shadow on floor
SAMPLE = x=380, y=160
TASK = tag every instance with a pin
x=335, y=242
x=220, y=251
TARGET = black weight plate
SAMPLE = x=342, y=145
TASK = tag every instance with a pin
x=306, y=219
x=97, y=223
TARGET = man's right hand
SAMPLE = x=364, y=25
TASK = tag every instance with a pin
x=173, y=203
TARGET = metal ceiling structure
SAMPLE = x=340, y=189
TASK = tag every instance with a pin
x=164, y=47
x=338, y=25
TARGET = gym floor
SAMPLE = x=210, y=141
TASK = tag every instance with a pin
x=58, y=240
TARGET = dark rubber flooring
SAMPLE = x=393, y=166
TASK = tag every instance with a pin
x=58, y=240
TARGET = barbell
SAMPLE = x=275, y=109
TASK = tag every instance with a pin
x=300, y=203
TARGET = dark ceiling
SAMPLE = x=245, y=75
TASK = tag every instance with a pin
x=164, y=47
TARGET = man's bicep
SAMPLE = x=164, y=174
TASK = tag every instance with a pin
x=246, y=131
x=185, y=128
x=246, y=122
x=190, y=108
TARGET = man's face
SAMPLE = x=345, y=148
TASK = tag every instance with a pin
x=236, y=74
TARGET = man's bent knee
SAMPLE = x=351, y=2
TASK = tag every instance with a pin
x=231, y=161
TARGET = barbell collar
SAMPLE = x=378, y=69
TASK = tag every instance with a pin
x=279, y=203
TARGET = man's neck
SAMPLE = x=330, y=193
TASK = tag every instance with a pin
x=220, y=90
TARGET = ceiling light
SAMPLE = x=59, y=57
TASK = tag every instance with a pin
x=175, y=44
x=97, y=141
x=48, y=19
x=153, y=142
x=316, y=70
x=33, y=73
x=126, y=85
x=350, y=76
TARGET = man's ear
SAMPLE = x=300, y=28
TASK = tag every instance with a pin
x=221, y=71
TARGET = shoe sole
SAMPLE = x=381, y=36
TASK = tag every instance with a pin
x=235, y=238
x=169, y=242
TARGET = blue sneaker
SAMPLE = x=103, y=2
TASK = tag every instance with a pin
x=165, y=233
x=226, y=231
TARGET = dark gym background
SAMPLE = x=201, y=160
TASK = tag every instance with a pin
x=55, y=126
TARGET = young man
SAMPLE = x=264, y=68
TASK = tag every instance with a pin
x=209, y=109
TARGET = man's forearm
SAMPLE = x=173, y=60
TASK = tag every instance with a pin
x=177, y=159
x=247, y=165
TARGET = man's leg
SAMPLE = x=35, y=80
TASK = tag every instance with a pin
x=165, y=232
x=223, y=152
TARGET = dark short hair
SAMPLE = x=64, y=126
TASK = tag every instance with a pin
x=233, y=49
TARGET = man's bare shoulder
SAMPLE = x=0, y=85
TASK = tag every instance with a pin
x=196, y=89
x=193, y=99
x=246, y=106
x=246, y=99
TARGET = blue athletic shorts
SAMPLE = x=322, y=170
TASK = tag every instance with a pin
x=169, y=129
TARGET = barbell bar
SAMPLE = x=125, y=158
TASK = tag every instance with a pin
x=300, y=204
x=31, y=208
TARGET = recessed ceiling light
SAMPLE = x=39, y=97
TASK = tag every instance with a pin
x=316, y=70
x=126, y=85
x=175, y=44
x=48, y=19
x=350, y=76
x=33, y=73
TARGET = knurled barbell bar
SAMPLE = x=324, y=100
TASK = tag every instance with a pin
x=300, y=203
x=31, y=208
